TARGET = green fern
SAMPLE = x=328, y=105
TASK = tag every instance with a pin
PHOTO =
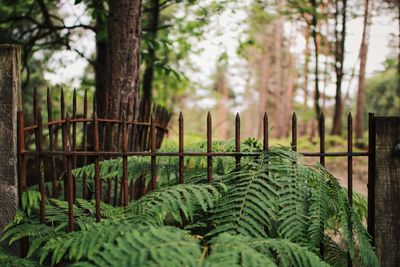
x=237, y=250
x=151, y=246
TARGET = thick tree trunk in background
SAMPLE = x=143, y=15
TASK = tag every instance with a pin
x=101, y=64
x=314, y=23
x=148, y=75
x=124, y=54
x=339, y=59
x=361, y=77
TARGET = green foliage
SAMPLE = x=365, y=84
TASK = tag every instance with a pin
x=275, y=210
x=382, y=93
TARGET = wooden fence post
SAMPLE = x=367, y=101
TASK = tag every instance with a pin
x=10, y=102
x=387, y=190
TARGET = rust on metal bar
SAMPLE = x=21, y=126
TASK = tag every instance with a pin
x=322, y=161
x=322, y=138
x=294, y=132
x=371, y=176
x=181, y=147
x=237, y=139
x=350, y=171
x=265, y=132
x=60, y=122
x=39, y=166
x=35, y=106
x=125, y=159
x=153, y=152
x=209, y=147
x=21, y=156
x=187, y=154
x=74, y=140
x=54, y=183
x=97, y=166
x=69, y=188
x=84, y=144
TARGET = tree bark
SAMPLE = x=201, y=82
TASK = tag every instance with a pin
x=279, y=89
x=339, y=59
x=100, y=64
x=306, y=73
x=148, y=75
x=314, y=23
x=359, y=127
x=124, y=54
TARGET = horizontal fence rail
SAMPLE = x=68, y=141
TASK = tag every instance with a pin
x=123, y=132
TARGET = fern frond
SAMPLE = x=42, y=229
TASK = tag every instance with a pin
x=178, y=200
x=152, y=246
x=249, y=207
x=237, y=250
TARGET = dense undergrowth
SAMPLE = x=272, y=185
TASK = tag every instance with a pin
x=276, y=210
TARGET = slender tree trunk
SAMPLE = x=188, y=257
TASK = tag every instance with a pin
x=326, y=67
x=222, y=104
x=263, y=90
x=124, y=54
x=148, y=75
x=339, y=58
x=306, y=73
x=279, y=89
x=359, y=128
x=314, y=23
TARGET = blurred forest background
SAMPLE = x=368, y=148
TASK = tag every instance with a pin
x=227, y=56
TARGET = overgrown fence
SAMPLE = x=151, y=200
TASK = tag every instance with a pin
x=383, y=166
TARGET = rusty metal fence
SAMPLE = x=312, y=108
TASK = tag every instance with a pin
x=151, y=128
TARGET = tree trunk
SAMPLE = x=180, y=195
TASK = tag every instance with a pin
x=339, y=59
x=306, y=73
x=314, y=23
x=263, y=90
x=361, y=77
x=279, y=88
x=148, y=75
x=222, y=103
x=124, y=54
x=100, y=64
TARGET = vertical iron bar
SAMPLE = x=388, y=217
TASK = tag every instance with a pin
x=265, y=131
x=74, y=141
x=22, y=171
x=322, y=162
x=237, y=139
x=39, y=165
x=181, y=147
x=62, y=109
x=125, y=159
x=209, y=147
x=97, y=164
x=70, y=188
x=85, y=113
x=350, y=171
x=153, y=152
x=54, y=184
x=35, y=105
x=322, y=138
x=21, y=156
x=371, y=176
x=294, y=132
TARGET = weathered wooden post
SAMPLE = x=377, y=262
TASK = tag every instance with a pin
x=10, y=102
x=386, y=184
